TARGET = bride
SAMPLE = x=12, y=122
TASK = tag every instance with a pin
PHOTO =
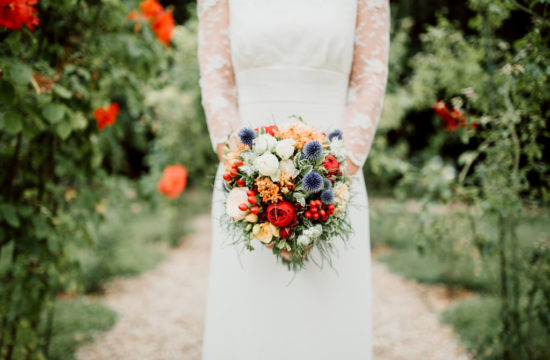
x=262, y=61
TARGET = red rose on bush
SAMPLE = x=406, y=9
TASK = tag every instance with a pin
x=150, y=8
x=331, y=164
x=106, y=116
x=162, y=26
x=15, y=13
x=173, y=181
x=281, y=214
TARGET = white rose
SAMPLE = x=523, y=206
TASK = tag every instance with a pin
x=267, y=164
x=287, y=166
x=303, y=240
x=236, y=197
x=285, y=148
x=263, y=143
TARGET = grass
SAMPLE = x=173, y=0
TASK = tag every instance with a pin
x=477, y=323
x=446, y=254
x=74, y=323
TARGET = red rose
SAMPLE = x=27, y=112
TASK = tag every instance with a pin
x=285, y=233
x=15, y=13
x=281, y=214
x=331, y=164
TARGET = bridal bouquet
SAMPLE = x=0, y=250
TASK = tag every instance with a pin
x=286, y=189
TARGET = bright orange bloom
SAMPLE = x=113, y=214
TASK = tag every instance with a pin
x=106, y=116
x=173, y=181
x=150, y=8
x=15, y=13
x=162, y=26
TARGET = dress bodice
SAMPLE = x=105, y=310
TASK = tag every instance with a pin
x=312, y=34
x=325, y=60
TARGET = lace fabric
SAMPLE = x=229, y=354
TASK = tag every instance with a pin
x=367, y=79
x=217, y=78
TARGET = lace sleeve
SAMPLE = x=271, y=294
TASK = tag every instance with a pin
x=368, y=77
x=217, y=79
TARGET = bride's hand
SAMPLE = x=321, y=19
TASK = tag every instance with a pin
x=351, y=168
x=221, y=149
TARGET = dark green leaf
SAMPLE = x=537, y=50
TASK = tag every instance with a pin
x=7, y=93
x=13, y=122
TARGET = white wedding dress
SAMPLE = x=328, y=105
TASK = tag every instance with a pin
x=262, y=61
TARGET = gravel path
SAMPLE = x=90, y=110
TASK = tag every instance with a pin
x=160, y=321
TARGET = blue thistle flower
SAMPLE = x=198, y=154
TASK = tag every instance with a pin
x=312, y=150
x=327, y=184
x=327, y=197
x=336, y=133
x=247, y=136
x=313, y=182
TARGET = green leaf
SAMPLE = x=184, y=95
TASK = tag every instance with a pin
x=13, y=122
x=9, y=214
x=6, y=254
x=63, y=130
x=62, y=91
x=7, y=93
x=53, y=112
x=79, y=121
x=20, y=73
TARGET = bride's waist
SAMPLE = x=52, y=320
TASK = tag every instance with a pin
x=292, y=85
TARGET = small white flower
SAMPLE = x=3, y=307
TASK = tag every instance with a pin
x=287, y=166
x=313, y=232
x=264, y=143
x=267, y=164
x=236, y=197
x=303, y=240
x=285, y=148
x=338, y=149
x=448, y=173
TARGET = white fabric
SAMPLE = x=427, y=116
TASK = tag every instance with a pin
x=325, y=60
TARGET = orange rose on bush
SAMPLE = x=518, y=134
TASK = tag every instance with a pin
x=106, y=116
x=281, y=214
x=173, y=181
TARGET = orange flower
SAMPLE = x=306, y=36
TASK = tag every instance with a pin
x=106, y=116
x=300, y=134
x=173, y=181
x=15, y=13
x=133, y=15
x=269, y=191
x=162, y=26
x=150, y=8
